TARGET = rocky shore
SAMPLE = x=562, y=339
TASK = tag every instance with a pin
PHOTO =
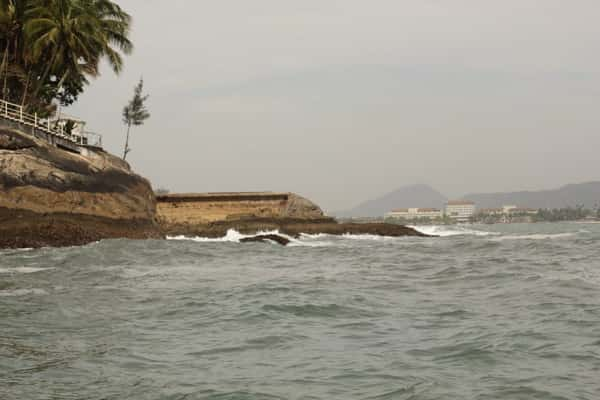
x=53, y=197
x=213, y=214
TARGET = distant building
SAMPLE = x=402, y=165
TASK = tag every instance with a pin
x=415, y=213
x=506, y=214
x=490, y=211
x=522, y=211
x=508, y=209
x=460, y=210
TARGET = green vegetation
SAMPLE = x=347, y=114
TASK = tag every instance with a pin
x=542, y=215
x=51, y=48
x=565, y=214
x=135, y=112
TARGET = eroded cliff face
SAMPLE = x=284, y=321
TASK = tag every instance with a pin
x=51, y=197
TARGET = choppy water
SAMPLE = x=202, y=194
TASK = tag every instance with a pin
x=485, y=312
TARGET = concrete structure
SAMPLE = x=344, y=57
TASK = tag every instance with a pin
x=490, y=211
x=507, y=210
x=415, y=213
x=66, y=133
x=521, y=211
x=460, y=210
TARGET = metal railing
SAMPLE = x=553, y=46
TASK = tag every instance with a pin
x=16, y=113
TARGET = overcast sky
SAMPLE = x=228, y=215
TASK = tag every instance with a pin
x=344, y=100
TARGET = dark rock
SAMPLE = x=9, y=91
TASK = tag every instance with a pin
x=289, y=226
x=265, y=238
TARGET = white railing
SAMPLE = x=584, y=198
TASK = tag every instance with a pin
x=16, y=113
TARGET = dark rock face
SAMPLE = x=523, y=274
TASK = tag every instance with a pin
x=266, y=238
x=51, y=197
x=25, y=229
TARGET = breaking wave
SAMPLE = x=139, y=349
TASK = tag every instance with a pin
x=233, y=236
x=445, y=231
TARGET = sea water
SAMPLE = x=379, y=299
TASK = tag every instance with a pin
x=480, y=312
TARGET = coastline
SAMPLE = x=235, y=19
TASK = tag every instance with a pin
x=52, y=197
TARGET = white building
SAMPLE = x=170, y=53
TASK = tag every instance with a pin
x=415, y=213
x=460, y=210
x=508, y=209
x=72, y=126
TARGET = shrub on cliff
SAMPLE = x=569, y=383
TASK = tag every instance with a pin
x=50, y=48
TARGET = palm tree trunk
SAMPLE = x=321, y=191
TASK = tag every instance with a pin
x=44, y=76
x=126, y=150
x=26, y=89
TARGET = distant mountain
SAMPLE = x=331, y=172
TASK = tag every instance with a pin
x=405, y=197
x=586, y=194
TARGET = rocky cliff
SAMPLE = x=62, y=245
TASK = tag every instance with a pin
x=52, y=197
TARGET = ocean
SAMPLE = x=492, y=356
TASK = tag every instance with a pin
x=481, y=312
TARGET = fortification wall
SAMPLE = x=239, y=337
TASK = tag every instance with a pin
x=213, y=207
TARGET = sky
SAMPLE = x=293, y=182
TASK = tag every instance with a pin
x=345, y=100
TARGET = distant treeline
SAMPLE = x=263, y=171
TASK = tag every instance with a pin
x=566, y=214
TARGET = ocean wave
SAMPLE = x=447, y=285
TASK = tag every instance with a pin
x=233, y=236
x=351, y=236
x=23, y=270
x=446, y=231
x=22, y=292
x=368, y=237
x=535, y=236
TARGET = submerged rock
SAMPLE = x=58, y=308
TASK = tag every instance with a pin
x=52, y=197
x=266, y=238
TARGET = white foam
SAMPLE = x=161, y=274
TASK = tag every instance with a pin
x=23, y=270
x=378, y=238
x=233, y=236
x=454, y=230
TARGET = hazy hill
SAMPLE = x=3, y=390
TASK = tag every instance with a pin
x=586, y=194
x=407, y=196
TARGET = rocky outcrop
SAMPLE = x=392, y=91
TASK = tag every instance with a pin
x=289, y=226
x=52, y=197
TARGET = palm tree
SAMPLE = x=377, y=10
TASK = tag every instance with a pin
x=57, y=45
x=75, y=35
x=12, y=18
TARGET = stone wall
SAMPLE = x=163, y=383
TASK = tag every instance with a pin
x=212, y=207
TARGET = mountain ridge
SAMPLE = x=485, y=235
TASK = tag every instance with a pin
x=586, y=194
x=417, y=195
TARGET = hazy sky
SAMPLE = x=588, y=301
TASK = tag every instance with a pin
x=344, y=100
